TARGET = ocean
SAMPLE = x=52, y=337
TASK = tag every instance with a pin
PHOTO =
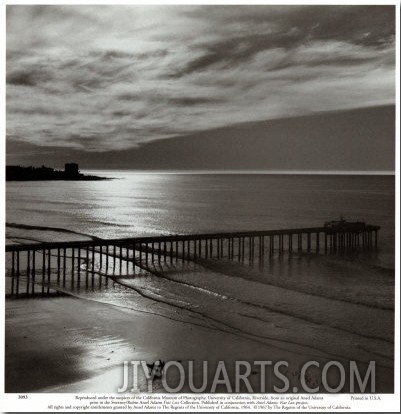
x=329, y=306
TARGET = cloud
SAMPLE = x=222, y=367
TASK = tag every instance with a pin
x=112, y=77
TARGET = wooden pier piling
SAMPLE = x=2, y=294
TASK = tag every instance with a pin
x=61, y=262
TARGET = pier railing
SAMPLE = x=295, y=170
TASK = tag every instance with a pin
x=49, y=265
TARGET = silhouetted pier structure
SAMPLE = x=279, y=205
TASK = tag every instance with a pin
x=48, y=266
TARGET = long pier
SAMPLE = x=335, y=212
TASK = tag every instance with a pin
x=51, y=264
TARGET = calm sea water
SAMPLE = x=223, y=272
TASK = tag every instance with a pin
x=146, y=204
x=312, y=304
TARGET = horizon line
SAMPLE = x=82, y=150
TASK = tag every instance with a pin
x=266, y=172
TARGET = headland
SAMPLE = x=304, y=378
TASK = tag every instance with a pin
x=70, y=173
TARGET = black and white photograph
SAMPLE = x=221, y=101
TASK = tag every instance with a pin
x=200, y=199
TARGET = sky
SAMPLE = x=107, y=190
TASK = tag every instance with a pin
x=94, y=82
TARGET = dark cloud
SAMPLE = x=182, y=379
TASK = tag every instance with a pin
x=26, y=77
x=128, y=96
x=369, y=26
x=236, y=50
x=121, y=113
x=341, y=23
x=191, y=101
x=365, y=25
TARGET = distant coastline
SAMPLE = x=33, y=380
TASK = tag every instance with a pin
x=70, y=173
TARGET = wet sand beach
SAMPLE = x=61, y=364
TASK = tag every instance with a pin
x=65, y=344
